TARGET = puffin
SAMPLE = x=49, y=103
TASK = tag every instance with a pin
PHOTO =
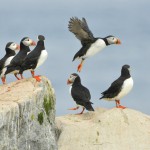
x=80, y=94
x=120, y=87
x=10, y=49
x=16, y=62
x=90, y=44
x=36, y=58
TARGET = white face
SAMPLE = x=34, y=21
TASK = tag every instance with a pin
x=13, y=46
x=113, y=40
x=27, y=42
x=71, y=79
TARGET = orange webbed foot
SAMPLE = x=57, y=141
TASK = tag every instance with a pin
x=37, y=78
x=120, y=106
x=73, y=108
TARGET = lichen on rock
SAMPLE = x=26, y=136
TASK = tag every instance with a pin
x=25, y=111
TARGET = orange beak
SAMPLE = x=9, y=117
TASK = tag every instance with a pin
x=118, y=41
x=33, y=43
x=68, y=81
x=18, y=47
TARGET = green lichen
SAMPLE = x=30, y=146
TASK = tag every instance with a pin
x=32, y=117
x=47, y=104
x=40, y=118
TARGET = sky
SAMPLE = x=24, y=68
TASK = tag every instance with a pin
x=128, y=20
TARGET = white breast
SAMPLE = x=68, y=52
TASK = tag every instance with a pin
x=126, y=88
x=42, y=58
x=95, y=48
x=7, y=62
x=70, y=90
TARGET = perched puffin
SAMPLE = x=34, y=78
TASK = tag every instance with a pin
x=120, y=87
x=90, y=44
x=16, y=62
x=79, y=93
x=10, y=49
x=36, y=58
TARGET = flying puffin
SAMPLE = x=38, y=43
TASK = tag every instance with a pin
x=90, y=44
x=36, y=58
x=79, y=93
x=120, y=87
x=16, y=62
x=10, y=49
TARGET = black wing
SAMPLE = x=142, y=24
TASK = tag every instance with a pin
x=81, y=30
x=17, y=60
x=80, y=94
x=2, y=62
x=114, y=89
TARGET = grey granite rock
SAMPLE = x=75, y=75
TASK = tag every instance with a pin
x=27, y=115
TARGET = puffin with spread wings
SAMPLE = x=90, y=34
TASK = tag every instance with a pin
x=90, y=44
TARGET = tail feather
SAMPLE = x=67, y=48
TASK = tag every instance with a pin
x=88, y=106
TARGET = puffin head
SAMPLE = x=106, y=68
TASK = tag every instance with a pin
x=41, y=38
x=125, y=71
x=112, y=40
x=72, y=78
x=12, y=46
x=28, y=42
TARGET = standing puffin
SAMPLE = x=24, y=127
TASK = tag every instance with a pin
x=10, y=53
x=120, y=87
x=36, y=58
x=16, y=62
x=79, y=93
x=90, y=44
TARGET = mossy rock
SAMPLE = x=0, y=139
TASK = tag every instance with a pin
x=40, y=118
x=48, y=104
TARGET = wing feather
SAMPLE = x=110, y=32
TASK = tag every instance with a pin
x=80, y=29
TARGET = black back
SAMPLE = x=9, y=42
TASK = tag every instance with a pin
x=18, y=59
x=8, y=54
x=116, y=86
x=32, y=59
x=81, y=94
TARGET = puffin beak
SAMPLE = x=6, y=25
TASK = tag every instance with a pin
x=118, y=41
x=68, y=81
x=33, y=43
x=18, y=47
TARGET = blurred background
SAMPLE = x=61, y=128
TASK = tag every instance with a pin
x=125, y=19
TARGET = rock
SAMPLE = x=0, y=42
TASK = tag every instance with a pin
x=114, y=129
x=27, y=115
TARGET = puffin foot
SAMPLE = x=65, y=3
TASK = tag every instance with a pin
x=3, y=80
x=37, y=78
x=81, y=112
x=21, y=76
x=73, y=108
x=17, y=77
x=120, y=106
x=79, y=67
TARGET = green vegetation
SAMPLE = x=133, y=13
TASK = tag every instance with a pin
x=47, y=104
x=40, y=118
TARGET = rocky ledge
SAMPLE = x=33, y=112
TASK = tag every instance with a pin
x=114, y=129
x=27, y=115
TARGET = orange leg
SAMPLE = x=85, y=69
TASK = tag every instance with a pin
x=21, y=76
x=74, y=108
x=80, y=66
x=118, y=104
x=3, y=80
x=16, y=76
x=36, y=77
x=81, y=111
